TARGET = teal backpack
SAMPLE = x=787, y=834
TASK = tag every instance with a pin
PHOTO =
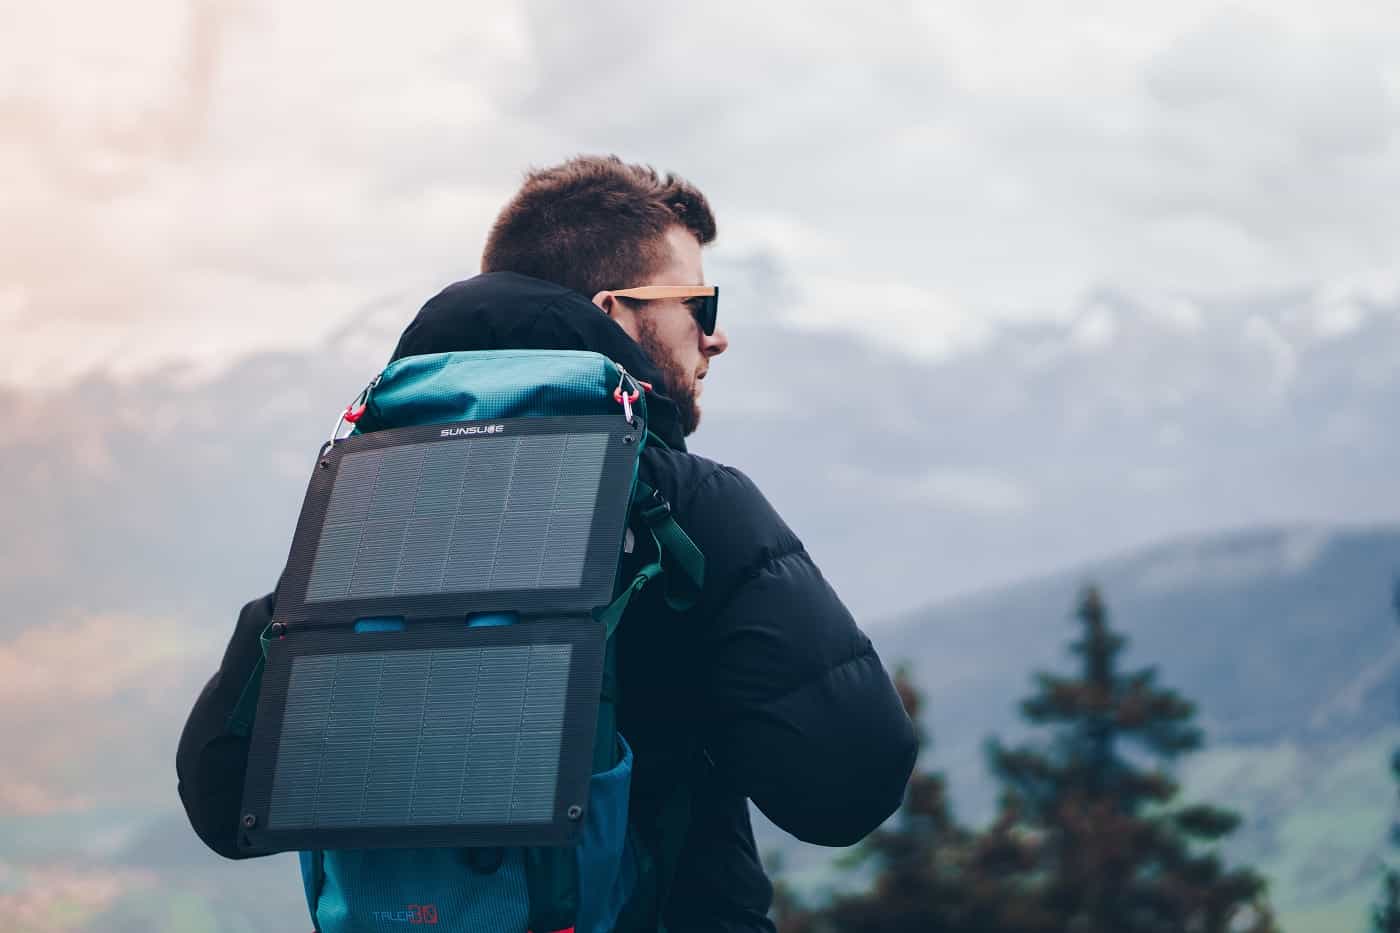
x=611, y=879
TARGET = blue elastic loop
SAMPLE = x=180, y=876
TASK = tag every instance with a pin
x=488, y=619
x=380, y=624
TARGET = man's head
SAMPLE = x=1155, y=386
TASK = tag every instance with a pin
x=599, y=225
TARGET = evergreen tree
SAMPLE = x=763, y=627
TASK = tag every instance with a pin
x=1114, y=854
x=1385, y=917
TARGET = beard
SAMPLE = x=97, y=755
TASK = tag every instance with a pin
x=680, y=385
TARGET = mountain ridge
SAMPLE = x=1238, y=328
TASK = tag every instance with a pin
x=1157, y=548
x=1283, y=635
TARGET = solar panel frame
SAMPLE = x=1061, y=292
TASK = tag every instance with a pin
x=586, y=642
x=604, y=540
x=550, y=615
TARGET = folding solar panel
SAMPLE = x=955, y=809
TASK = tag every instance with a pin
x=386, y=719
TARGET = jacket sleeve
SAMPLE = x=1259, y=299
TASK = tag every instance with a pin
x=211, y=762
x=798, y=712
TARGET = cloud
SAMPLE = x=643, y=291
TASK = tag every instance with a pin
x=63, y=898
x=1190, y=565
x=189, y=190
x=90, y=659
x=31, y=798
x=1283, y=359
x=978, y=491
x=906, y=318
x=982, y=492
x=102, y=692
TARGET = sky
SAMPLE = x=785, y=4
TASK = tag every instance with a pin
x=185, y=180
x=1010, y=287
x=1013, y=235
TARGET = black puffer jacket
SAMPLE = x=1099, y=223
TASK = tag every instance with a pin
x=768, y=674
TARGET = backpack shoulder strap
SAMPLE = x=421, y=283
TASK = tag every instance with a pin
x=677, y=558
x=682, y=563
x=685, y=570
x=240, y=721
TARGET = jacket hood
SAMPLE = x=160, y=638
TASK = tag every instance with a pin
x=509, y=311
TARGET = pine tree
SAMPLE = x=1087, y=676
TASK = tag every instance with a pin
x=1115, y=854
x=1385, y=916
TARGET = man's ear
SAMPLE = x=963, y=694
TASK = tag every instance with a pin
x=608, y=302
x=620, y=314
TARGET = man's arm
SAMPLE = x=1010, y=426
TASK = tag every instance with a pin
x=211, y=762
x=800, y=715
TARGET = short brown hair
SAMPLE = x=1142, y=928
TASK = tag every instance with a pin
x=594, y=223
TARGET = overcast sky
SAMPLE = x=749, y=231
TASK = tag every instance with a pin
x=191, y=179
x=1010, y=287
x=1043, y=284
x=1139, y=258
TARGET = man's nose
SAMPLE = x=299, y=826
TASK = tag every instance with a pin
x=716, y=343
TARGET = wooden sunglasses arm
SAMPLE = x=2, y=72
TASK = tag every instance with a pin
x=667, y=291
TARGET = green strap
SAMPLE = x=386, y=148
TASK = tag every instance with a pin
x=612, y=615
x=240, y=721
x=685, y=576
x=683, y=588
x=671, y=540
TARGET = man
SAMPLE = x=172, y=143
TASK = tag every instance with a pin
x=766, y=690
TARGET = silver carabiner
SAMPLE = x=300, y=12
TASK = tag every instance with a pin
x=622, y=396
x=352, y=413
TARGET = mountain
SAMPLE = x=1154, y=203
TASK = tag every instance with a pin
x=1286, y=640
x=1284, y=637
x=141, y=510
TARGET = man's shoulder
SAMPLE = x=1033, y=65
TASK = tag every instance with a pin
x=690, y=481
x=721, y=508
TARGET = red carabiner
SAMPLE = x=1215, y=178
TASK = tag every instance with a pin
x=632, y=397
x=355, y=412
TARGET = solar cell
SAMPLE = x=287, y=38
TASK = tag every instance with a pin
x=479, y=513
x=421, y=736
x=431, y=731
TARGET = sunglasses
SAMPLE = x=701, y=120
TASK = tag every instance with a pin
x=702, y=299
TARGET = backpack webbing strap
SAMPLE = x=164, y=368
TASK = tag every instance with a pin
x=612, y=615
x=240, y=721
x=671, y=540
x=684, y=569
x=683, y=589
